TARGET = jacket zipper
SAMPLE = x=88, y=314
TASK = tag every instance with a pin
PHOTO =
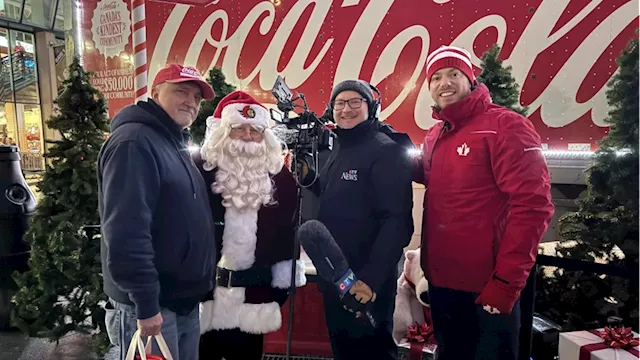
x=444, y=129
x=185, y=162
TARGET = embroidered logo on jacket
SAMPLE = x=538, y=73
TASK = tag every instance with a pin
x=351, y=175
x=463, y=150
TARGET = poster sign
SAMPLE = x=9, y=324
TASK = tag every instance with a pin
x=59, y=57
x=106, y=26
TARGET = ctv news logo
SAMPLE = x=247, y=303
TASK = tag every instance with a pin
x=345, y=283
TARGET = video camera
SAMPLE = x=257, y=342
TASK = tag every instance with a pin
x=304, y=134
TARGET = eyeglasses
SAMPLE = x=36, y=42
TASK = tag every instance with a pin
x=255, y=131
x=354, y=103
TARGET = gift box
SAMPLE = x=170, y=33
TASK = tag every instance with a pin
x=420, y=345
x=602, y=344
x=428, y=351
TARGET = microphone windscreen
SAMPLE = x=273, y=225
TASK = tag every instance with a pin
x=323, y=251
x=284, y=134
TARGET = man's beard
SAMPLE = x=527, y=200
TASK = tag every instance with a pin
x=242, y=177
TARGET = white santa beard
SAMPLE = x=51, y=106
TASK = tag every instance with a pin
x=242, y=177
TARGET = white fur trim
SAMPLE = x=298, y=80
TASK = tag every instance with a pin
x=232, y=114
x=281, y=272
x=228, y=311
x=239, y=238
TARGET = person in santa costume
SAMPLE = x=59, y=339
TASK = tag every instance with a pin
x=253, y=199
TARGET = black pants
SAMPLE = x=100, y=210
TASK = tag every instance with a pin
x=353, y=339
x=465, y=331
x=230, y=345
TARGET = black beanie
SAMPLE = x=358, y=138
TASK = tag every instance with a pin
x=358, y=86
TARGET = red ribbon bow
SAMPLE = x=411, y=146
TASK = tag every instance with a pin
x=617, y=338
x=418, y=336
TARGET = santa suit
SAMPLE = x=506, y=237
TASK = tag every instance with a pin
x=262, y=241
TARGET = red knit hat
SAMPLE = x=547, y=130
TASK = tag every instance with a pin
x=450, y=56
x=174, y=73
x=240, y=108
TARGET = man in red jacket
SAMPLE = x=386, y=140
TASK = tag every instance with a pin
x=487, y=205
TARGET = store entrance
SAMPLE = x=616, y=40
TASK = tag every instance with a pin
x=20, y=111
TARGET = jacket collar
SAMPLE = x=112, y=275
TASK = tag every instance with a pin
x=466, y=109
x=353, y=136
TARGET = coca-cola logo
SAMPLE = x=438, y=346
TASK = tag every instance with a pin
x=188, y=71
x=314, y=44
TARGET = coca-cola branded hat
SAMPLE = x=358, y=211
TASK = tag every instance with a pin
x=175, y=73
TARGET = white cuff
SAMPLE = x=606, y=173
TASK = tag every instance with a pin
x=281, y=273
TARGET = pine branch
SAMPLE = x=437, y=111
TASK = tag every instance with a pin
x=217, y=80
x=605, y=227
x=502, y=86
x=64, y=263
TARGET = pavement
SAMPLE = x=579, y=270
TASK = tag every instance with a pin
x=14, y=345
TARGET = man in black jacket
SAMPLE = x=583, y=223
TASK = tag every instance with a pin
x=157, y=231
x=366, y=203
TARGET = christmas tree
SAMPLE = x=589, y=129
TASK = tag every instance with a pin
x=220, y=86
x=502, y=86
x=605, y=227
x=62, y=291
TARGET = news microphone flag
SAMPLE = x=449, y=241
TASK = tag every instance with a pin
x=327, y=257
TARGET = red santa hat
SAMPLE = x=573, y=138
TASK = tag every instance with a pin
x=451, y=56
x=240, y=108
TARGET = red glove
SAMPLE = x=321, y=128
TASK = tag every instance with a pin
x=498, y=297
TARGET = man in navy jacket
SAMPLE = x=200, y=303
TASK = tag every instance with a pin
x=157, y=230
x=365, y=200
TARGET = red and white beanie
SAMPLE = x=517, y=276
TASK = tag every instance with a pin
x=240, y=108
x=450, y=56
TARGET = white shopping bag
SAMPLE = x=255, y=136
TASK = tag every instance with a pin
x=137, y=346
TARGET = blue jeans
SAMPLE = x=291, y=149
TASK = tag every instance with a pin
x=182, y=333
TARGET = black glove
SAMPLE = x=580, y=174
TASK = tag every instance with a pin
x=358, y=299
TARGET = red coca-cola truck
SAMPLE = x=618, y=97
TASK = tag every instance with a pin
x=562, y=52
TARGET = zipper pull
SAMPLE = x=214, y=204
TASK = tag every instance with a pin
x=194, y=196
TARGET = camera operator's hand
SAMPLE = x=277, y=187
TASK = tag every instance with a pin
x=304, y=161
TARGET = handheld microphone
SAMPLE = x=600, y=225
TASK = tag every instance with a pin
x=327, y=258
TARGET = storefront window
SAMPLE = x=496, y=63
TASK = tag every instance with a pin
x=30, y=135
x=25, y=77
x=39, y=12
x=63, y=7
x=10, y=10
x=6, y=84
x=8, y=129
x=20, y=114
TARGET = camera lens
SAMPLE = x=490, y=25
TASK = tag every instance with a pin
x=17, y=194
